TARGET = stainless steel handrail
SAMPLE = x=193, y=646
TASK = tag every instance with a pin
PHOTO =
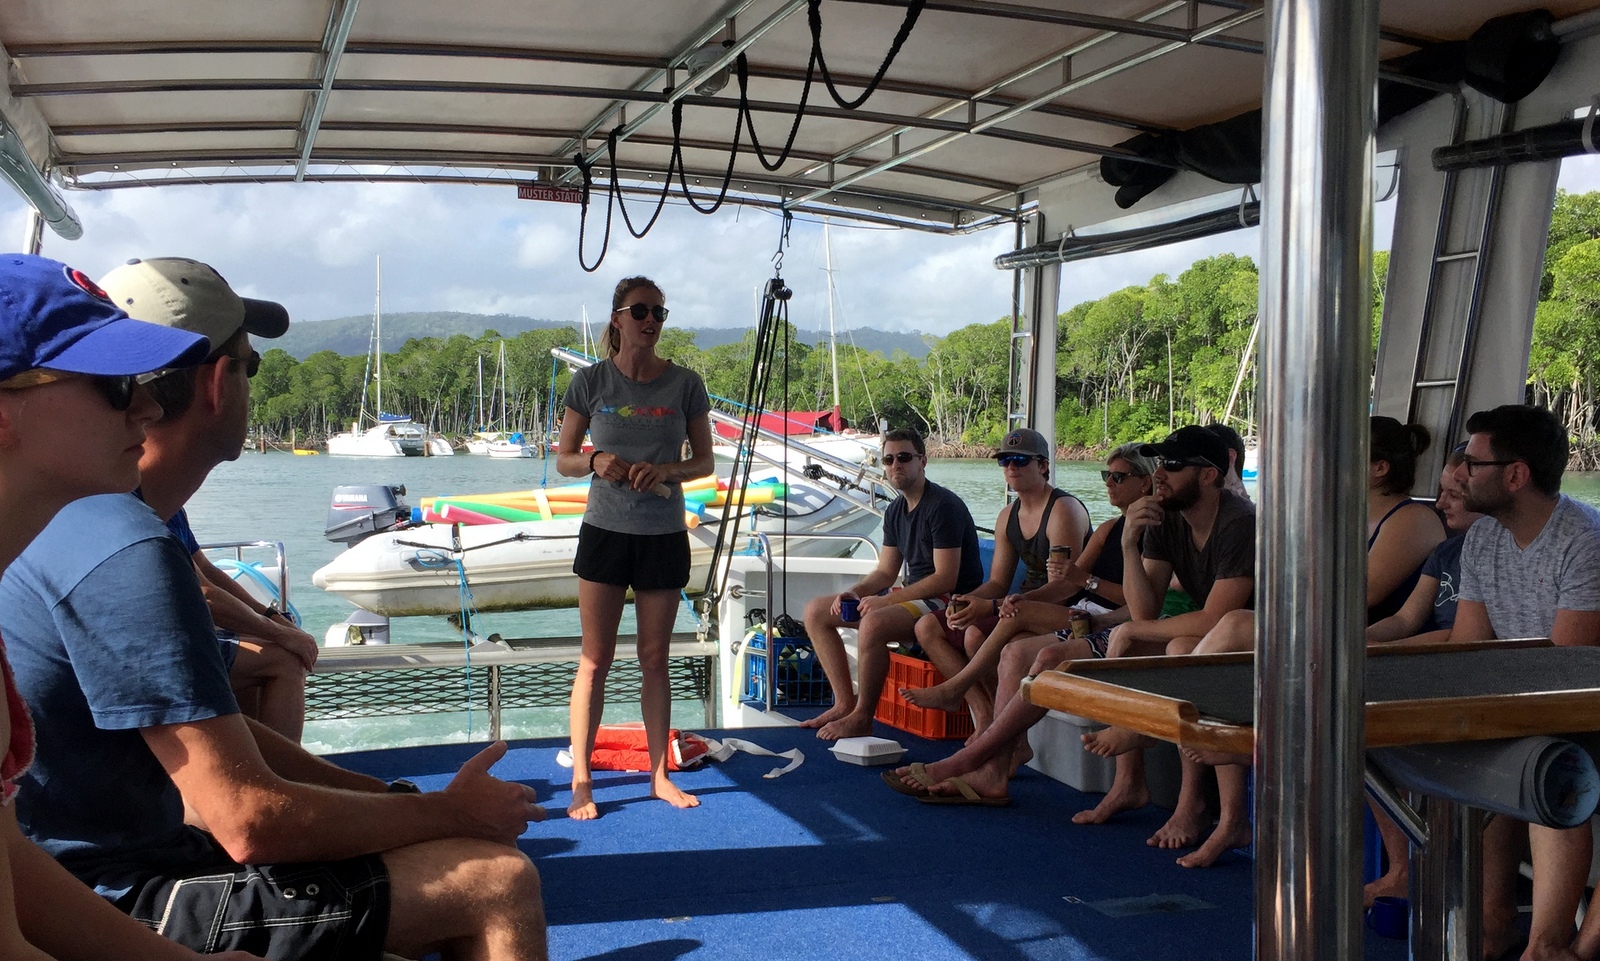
x=239, y=547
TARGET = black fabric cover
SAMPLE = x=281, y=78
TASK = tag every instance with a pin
x=1506, y=58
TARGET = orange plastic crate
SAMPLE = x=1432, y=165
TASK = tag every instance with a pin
x=923, y=722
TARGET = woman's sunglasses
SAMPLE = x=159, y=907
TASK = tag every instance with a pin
x=1117, y=476
x=904, y=457
x=641, y=311
x=117, y=390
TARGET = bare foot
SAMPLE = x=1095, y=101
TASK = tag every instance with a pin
x=848, y=726
x=1224, y=839
x=1118, y=799
x=1020, y=755
x=1216, y=758
x=665, y=790
x=940, y=697
x=1113, y=741
x=988, y=781
x=831, y=714
x=1182, y=830
x=1395, y=884
x=582, y=807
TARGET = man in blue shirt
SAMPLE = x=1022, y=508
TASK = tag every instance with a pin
x=115, y=649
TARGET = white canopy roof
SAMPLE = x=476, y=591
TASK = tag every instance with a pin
x=985, y=103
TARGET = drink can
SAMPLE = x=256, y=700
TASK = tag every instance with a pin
x=849, y=610
x=1081, y=623
x=1060, y=551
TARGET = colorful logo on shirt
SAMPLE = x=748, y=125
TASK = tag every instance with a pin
x=629, y=410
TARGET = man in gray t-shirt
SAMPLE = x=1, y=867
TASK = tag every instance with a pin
x=1531, y=568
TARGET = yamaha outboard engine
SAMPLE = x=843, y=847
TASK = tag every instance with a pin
x=360, y=510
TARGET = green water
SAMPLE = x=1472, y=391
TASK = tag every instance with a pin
x=285, y=498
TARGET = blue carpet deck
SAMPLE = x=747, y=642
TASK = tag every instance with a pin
x=827, y=864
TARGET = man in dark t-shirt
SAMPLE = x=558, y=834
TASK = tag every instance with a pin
x=930, y=531
x=1194, y=529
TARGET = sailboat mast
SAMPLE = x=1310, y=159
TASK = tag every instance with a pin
x=477, y=412
x=377, y=336
x=833, y=333
x=503, y=420
x=586, y=350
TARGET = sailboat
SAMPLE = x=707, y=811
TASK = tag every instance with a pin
x=392, y=435
x=479, y=444
x=514, y=445
x=820, y=430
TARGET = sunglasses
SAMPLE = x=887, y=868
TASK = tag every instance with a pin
x=904, y=457
x=252, y=364
x=1016, y=460
x=117, y=390
x=1173, y=465
x=641, y=311
x=1117, y=476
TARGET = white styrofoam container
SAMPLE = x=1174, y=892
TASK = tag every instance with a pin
x=867, y=751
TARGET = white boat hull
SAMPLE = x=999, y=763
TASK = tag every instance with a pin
x=529, y=565
x=506, y=448
x=385, y=440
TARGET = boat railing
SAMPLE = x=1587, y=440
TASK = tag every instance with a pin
x=491, y=677
x=280, y=559
x=736, y=591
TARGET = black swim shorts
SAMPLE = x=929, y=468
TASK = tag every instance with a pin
x=644, y=562
x=328, y=911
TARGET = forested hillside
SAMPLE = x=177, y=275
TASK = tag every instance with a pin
x=1128, y=365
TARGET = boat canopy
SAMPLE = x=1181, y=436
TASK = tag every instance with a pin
x=986, y=109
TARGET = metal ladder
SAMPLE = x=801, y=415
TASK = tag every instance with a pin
x=1433, y=368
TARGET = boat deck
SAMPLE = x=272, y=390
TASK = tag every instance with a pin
x=827, y=863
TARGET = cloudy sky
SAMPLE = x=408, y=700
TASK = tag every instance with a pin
x=478, y=249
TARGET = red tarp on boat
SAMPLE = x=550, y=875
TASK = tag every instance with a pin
x=790, y=422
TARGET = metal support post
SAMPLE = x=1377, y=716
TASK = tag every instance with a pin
x=1447, y=912
x=494, y=701
x=1319, y=123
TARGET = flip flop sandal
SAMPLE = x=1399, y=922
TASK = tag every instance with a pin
x=967, y=798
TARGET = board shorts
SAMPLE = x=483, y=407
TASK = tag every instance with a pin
x=644, y=562
x=323, y=911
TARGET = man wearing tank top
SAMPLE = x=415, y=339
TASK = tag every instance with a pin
x=1531, y=568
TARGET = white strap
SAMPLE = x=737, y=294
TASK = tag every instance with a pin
x=724, y=749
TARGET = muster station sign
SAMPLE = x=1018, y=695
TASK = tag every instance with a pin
x=560, y=195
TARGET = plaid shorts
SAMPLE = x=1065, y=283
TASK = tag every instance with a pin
x=1097, y=641
x=328, y=911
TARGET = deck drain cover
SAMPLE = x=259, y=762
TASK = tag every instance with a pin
x=1149, y=904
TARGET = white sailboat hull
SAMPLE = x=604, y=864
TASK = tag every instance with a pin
x=529, y=565
x=385, y=440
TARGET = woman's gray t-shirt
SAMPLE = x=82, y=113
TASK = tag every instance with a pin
x=639, y=421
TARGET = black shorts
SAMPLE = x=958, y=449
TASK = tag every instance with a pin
x=644, y=562
x=334, y=910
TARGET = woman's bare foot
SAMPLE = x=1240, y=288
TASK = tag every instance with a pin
x=1395, y=884
x=1113, y=741
x=1216, y=758
x=582, y=806
x=850, y=725
x=940, y=697
x=987, y=780
x=665, y=790
x=1182, y=830
x=1224, y=839
x=1120, y=798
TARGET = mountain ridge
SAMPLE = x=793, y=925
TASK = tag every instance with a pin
x=349, y=336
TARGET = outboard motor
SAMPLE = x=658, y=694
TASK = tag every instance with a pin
x=360, y=510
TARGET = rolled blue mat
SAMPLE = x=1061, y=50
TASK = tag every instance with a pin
x=1541, y=780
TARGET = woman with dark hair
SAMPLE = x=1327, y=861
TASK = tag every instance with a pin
x=1401, y=532
x=638, y=409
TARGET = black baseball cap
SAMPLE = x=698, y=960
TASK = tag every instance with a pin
x=1192, y=445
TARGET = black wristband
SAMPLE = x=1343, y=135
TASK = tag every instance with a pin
x=402, y=786
x=592, y=456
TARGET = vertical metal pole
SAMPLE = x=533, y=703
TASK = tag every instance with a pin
x=494, y=702
x=1318, y=131
x=34, y=241
x=1447, y=914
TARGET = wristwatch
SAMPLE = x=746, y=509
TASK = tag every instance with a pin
x=1091, y=584
x=401, y=786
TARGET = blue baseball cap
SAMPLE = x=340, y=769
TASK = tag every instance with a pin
x=56, y=317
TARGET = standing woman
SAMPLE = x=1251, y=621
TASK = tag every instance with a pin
x=68, y=358
x=638, y=409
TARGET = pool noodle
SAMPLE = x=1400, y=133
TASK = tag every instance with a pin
x=454, y=515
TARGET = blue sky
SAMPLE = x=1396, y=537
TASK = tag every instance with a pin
x=478, y=249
